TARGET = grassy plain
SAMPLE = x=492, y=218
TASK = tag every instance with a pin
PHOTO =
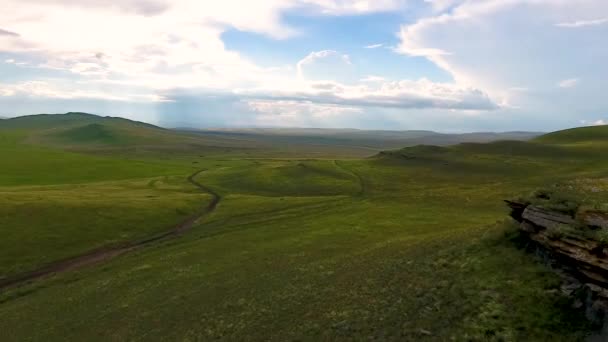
x=49, y=223
x=409, y=245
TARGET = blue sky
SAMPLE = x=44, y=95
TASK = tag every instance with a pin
x=445, y=65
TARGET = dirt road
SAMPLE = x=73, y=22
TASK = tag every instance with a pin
x=106, y=253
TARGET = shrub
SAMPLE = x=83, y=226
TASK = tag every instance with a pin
x=560, y=231
x=601, y=236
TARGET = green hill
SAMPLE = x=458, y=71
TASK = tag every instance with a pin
x=93, y=133
x=83, y=129
x=538, y=148
x=576, y=135
x=48, y=121
x=89, y=133
x=110, y=132
x=513, y=148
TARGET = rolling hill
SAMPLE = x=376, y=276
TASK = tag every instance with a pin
x=46, y=121
x=87, y=132
x=598, y=134
x=372, y=139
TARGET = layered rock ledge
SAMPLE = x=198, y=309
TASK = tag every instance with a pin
x=574, y=243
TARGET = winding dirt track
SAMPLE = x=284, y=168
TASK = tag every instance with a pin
x=105, y=253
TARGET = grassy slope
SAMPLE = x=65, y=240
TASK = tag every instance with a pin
x=55, y=204
x=27, y=164
x=47, y=223
x=595, y=134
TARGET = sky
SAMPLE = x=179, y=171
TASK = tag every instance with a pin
x=443, y=65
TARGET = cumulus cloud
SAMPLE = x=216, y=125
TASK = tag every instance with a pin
x=297, y=114
x=403, y=94
x=519, y=44
x=315, y=56
x=143, y=50
x=157, y=42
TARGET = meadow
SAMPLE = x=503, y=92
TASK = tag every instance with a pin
x=408, y=244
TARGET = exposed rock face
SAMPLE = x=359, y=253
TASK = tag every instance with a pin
x=594, y=218
x=568, y=243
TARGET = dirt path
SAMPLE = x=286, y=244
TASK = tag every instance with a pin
x=105, y=253
x=363, y=186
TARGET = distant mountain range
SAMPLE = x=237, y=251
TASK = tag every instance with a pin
x=82, y=130
x=375, y=139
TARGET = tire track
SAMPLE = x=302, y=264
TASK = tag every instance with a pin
x=102, y=254
x=362, y=184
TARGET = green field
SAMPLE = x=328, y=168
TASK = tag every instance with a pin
x=409, y=244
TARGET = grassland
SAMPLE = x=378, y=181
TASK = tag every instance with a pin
x=49, y=223
x=411, y=244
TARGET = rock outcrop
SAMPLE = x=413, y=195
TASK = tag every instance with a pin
x=573, y=245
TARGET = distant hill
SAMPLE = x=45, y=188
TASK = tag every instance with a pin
x=576, y=135
x=46, y=121
x=372, y=139
x=83, y=131
x=575, y=143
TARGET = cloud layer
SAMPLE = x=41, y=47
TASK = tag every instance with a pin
x=505, y=58
x=503, y=46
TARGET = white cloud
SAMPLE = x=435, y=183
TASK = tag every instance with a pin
x=142, y=50
x=297, y=114
x=342, y=7
x=568, y=83
x=583, y=23
x=599, y=122
x=374, y=46
x=50, y=90
x=157, y=43
x=315, y=56
x=405, y=94
x=496, y=44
